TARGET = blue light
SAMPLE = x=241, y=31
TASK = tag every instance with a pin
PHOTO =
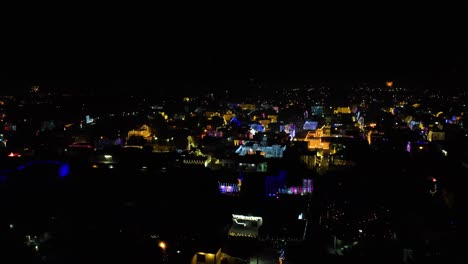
x=235, y=121
x=64, y=170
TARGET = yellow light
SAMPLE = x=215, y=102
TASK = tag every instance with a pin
x=162, y=245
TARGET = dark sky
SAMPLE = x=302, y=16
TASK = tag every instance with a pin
x=353, y=42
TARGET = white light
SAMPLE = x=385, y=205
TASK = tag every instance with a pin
x=111, y=167
x=360, y=230
x=244, y=224
x=12, y=226
x=243, y=217
x=178, y=251
x=108, y=156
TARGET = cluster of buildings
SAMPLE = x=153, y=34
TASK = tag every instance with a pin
x=268, y=147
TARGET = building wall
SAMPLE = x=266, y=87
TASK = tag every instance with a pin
x=208, y=258
x=262, y=167
x=342, y=110
x=309, y=160
x=144, y=131
x=273, y=118
x=209, y=115
x=317, y=143
x=274, y=151
x=265, y=122
x=218, y=258
x=228, y=116
x=249, y=107
x=436, y=136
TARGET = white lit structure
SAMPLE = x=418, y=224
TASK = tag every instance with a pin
x=245, y=226
x=251, y=148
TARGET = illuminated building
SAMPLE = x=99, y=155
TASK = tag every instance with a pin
x=316, y=110
x=252, y=163
x=238, y=142
x=216, y=133
x=315, y=140
x=228, y=116
x=209, y=258
x=190, y=143
x=342, y=110
x=248, y=107
x=209, y=114
x=340, y=160
x=273, y=118
x=104, y=160
x=417, y=147
x=230, y=188
x=245, y=226
x=144, y=131
x=3, y=142
x=255, y=128
x=305, y=188
x=310, y=125
x=309, y=159
x=264, y=122
x=220, y=257
x=374, y=137
x=436, y=135
x=289, y=129
x=275, y=185
x=252, y=147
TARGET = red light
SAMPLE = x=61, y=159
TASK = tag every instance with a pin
x=13, y=155
x=434, y=179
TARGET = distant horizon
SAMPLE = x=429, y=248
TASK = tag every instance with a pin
x=193, y=87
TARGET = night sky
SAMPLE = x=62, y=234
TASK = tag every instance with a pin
x=420, y=44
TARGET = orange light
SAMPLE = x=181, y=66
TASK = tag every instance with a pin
x=95, y=166
x=162, y=245
x=389, y=84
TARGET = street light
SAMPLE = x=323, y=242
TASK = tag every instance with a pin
x=163, y=246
